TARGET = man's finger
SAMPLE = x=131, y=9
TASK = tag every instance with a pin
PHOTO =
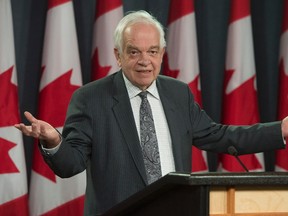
x=25, y=129
x=30, y=117
x=35, y=130
x=17, y=126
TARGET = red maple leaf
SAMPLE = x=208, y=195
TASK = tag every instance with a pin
x=166, y=68
x=240, y=105
x=7, y=165
x=40, y=166
x=8, y=100
x=193, y=85
x=54, y=99
x=53, y=103
x=97, y=70
x=240, y=108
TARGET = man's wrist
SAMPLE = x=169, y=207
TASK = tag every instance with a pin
x=51, y=145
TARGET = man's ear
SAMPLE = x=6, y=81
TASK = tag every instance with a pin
x=117, y=56
x=162, y=52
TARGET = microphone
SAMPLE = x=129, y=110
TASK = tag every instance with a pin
x=233, y=151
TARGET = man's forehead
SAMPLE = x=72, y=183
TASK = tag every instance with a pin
x=140, y=27
x=131, y=46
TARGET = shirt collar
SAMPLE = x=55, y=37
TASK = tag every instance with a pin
x=133, y=91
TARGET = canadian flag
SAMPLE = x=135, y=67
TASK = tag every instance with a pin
x=13, y=178
x=61, y=76
x=240, y=95
x=108, y=14
x=181, y=59
x=282, y=155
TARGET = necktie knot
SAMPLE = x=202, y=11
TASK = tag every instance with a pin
x=143, y=94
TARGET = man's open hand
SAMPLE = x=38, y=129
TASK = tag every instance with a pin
x=41, y=130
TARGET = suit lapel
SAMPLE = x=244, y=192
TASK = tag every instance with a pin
x=175, y=123
x=124, y=115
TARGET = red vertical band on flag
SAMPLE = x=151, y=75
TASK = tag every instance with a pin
x=239, y=9
x=102, y=8
x=55, y=3
x=186, y=7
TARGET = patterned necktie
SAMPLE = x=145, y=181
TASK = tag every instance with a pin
x=149, y=144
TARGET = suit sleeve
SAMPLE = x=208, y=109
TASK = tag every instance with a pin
x=74, y=152
x=210, y=136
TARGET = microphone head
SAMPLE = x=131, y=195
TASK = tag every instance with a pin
x=232, y=151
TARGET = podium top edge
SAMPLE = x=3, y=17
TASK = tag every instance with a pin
x=231, y=178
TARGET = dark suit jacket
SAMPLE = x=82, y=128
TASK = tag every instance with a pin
x=100, y=136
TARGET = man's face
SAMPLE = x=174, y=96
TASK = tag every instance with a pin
x=141, y=57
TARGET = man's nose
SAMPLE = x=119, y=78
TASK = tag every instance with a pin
x=144, y=59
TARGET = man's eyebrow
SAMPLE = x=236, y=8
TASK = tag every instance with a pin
x=154, y=47
x=134, y=47
x=131, y=47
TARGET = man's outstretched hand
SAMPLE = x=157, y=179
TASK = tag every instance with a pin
x=284, y=127
x=41, y=130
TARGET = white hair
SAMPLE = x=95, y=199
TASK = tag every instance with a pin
x=136, y=17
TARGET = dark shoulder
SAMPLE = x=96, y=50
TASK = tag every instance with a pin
x=174, y=91
x=96, y=87
x=100, y=83
x=170, y=84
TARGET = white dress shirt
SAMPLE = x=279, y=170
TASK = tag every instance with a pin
x=161, y=125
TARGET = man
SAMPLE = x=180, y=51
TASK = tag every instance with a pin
x=102, y=130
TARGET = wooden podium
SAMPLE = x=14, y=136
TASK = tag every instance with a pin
x=214, y=194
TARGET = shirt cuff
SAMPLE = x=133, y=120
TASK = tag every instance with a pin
x=51, y=151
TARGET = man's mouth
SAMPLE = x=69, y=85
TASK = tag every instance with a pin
x=144, y=71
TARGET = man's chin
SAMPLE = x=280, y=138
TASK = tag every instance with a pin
x=143, y=85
